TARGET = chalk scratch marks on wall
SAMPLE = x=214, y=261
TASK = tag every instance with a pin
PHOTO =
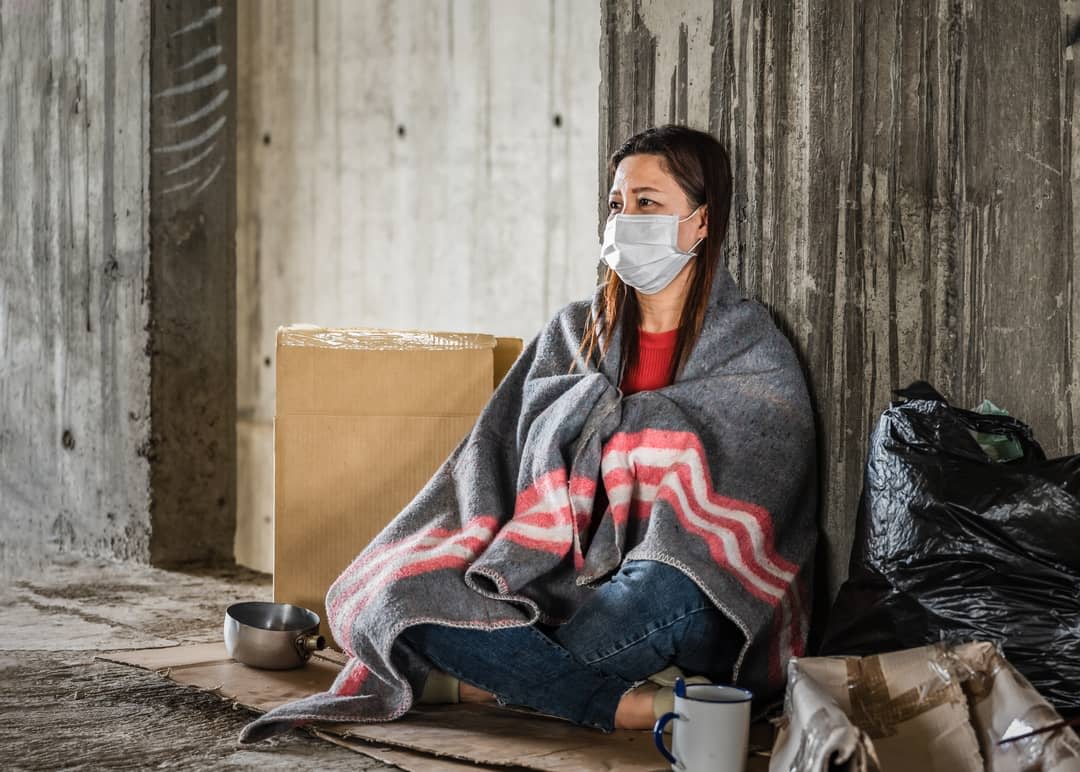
x=192, y=161
x=202, y=112
x=194, y=85
x=192, y=137
x=209, y=17
x=207, y=53
x=194, y=142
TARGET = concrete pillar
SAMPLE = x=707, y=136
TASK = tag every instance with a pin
x=193, y=281
x=903, y=195
x=116, y=294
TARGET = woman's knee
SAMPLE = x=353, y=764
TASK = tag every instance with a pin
x=709, y=644
x=644, y=604
x=658, y=583
x=641, y=592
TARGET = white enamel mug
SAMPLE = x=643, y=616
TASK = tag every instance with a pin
x=711, y=731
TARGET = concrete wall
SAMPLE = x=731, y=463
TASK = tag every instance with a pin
x=74, y=211
x=410, y=164
x=903, y=174
x=91, y=353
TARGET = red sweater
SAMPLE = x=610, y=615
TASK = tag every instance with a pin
x=655, y=352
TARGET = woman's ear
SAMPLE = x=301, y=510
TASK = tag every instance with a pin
x=703, y=229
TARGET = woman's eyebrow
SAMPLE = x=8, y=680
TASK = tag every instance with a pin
x=635, y=190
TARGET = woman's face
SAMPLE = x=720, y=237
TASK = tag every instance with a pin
x=642, y=186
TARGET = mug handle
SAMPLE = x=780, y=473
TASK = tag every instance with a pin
x=658, y=737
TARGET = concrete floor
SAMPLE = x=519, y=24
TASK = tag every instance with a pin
x=61, y=709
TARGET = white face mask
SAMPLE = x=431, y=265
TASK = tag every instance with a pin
x=643, y=249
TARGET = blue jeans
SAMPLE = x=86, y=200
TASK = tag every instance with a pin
x=646, y=617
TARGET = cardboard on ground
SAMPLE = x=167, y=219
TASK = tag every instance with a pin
x=431, y=737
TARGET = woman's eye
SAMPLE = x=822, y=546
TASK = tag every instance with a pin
x=613, y=205
x=645, y=201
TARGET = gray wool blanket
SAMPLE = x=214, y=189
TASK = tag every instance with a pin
x=714, y=475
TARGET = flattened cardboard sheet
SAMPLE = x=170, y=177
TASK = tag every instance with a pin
x=209, y=667
x=420, y=762
x=478, y=734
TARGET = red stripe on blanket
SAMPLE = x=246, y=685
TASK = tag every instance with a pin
x=540, y=488
x=349, y=579
x=656, y=439
x=635, y=509
x=738, y=529
x=373, y=566
x=582, y=486
x=636, y=447
x=780, y=606
x=554, y=517
x=619, y=476
x=654, y=474
x=553, y=547
x=420, y=565
x=624, y=457
x=717, y=549
x=555, y=531
x=554, y=484
x=354, y=680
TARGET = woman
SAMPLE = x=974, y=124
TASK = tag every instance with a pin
x=636, y=500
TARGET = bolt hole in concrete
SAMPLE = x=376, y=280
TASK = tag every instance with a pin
x=266, y=138
x=557, y=120
x=67, y=439
x=401, y=131
x=266, y=361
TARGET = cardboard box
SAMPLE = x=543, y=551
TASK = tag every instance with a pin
x=941, y=708
x=364, y=417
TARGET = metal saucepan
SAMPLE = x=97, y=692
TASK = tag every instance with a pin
x=273, y=636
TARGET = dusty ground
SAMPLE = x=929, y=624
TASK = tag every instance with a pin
x=61, y=709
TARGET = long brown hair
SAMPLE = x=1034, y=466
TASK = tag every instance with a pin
x=701, y=167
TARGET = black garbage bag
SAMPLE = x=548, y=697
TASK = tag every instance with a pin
x=950, y=544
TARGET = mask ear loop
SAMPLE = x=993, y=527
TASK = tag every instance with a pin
x=697, y=243
x=692, y=213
